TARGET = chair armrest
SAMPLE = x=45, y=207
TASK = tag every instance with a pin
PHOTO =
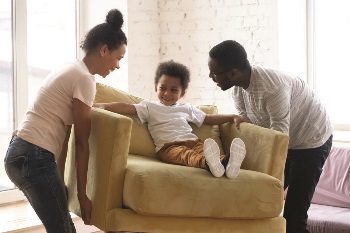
x=109, y=147
x=266, y=148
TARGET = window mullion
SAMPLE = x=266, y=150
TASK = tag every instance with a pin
x=20, y=81
x=310, y=27
x=20, y=68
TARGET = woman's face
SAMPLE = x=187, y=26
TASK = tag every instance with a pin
x=110, y=59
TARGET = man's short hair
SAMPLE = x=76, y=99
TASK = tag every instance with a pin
x=230, y=54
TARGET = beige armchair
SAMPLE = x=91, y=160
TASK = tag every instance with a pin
x=132, y=191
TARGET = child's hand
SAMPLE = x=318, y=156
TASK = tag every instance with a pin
x=239, y=119
x=98, y=105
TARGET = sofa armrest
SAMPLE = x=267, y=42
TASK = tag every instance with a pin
x=266, y=148
x=109, y=147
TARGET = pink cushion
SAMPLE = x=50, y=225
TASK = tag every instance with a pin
x=333, y=189
x=328, y=219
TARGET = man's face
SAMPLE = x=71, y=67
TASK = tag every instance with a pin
x=223, y=77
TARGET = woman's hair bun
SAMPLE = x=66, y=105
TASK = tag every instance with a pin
x=115, y=18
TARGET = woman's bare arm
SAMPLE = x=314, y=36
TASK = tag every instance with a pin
x=61, y=161
x=82, y=126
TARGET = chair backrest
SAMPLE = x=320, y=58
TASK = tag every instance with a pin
x=266, y=148
x=141, y=142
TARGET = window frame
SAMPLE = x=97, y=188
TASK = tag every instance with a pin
x=298, y=18
x=20, y=73
x=343, y=130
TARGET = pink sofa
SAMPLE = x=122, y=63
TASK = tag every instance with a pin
x=330, y=208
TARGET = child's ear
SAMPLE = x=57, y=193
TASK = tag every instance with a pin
x=183, y=92
x=155, y=87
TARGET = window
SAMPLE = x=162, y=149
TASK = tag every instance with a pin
x=6, y=87
x=51, y=39
x=313, y=44
x=331, y=47
x=36, y=37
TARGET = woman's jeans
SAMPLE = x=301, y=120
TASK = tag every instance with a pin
x=34, y=171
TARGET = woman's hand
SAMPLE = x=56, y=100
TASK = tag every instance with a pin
x=85, y=207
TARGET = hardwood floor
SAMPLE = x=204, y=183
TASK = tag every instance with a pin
x=20, y=217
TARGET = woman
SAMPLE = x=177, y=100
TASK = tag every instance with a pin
x=42, y=137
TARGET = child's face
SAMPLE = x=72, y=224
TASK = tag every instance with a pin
x=169, y=90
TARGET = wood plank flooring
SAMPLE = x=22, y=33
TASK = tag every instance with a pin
x=20, y=217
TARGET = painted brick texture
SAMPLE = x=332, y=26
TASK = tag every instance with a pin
x=185, y=30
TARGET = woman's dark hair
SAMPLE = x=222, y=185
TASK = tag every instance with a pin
x=230, y=54
x=175, y=70
x=108, y=33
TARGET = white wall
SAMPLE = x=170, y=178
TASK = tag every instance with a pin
x=292, y=39
x=185, y=31
x=144, y=45
x=93, y=12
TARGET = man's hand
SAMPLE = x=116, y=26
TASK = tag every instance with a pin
x=239, y=119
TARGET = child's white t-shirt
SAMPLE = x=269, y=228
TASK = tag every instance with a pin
x=169, y=123
x=47, y=118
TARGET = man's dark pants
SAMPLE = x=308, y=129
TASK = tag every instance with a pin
x=302, y=172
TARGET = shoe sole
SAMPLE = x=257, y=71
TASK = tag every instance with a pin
x=237, y=154
x=212, y=157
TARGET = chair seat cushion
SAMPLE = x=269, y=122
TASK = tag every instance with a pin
x=152, y=187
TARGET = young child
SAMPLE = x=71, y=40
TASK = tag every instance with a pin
x=168, y=123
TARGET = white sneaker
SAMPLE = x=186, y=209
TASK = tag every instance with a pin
x=212, y=157
x=237, y=154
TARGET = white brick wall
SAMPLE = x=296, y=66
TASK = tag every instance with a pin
x=185, y=30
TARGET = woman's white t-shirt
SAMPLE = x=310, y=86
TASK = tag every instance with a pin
x=47, y=118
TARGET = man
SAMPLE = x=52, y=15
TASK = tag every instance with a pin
x=283, y=102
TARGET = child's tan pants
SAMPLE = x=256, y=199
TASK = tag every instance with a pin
x=187, y=153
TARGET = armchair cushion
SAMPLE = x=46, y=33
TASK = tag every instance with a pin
x=151, y=185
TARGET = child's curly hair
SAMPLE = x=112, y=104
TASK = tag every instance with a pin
x=175, y=70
